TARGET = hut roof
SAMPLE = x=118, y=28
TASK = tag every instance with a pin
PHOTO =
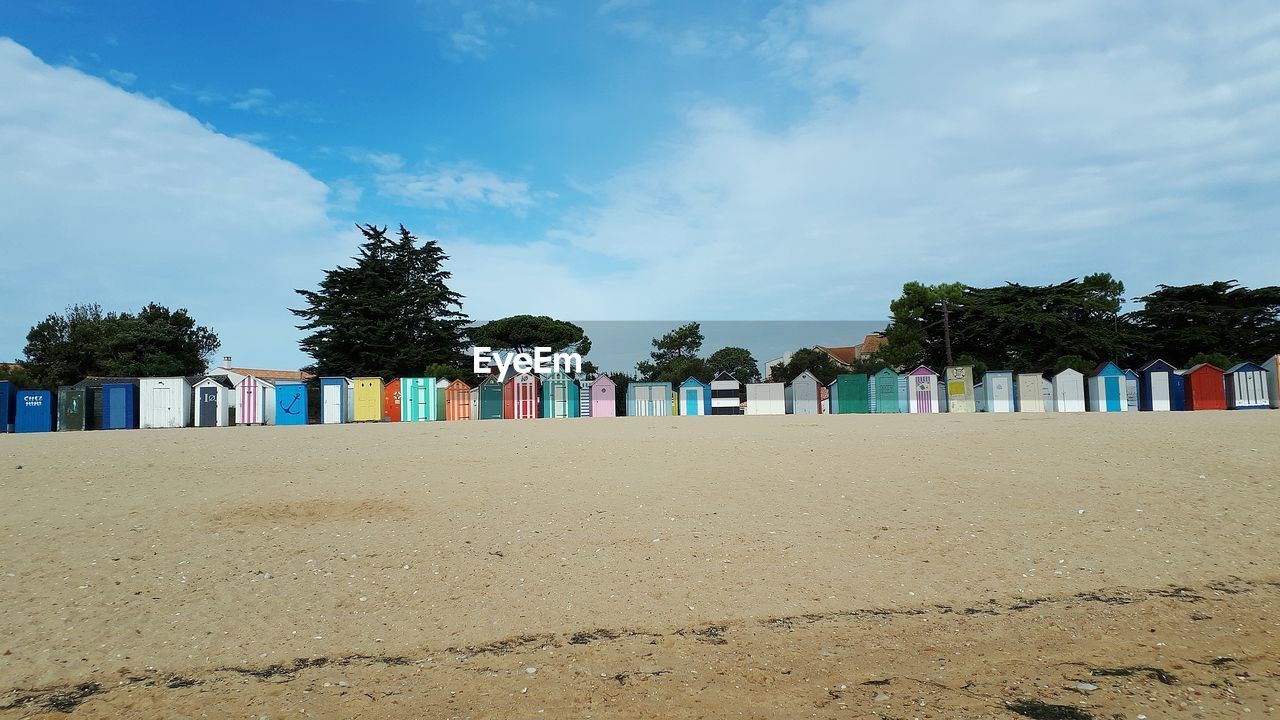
x=97, y=382
x=1253, y=367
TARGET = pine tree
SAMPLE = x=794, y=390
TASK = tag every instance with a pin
x=390, y=315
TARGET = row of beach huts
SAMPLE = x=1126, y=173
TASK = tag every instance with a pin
x=219, y=400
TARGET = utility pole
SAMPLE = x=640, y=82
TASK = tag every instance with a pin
x=946, y=328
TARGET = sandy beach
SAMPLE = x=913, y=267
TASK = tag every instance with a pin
x=947, y=566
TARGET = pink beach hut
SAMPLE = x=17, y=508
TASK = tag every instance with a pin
x=604, y=401
x=922, y=390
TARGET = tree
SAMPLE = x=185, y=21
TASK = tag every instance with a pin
x=83, y=341
x=807, y=359
x=736, y=361
x=675, y=357
x=621, y=381
x=523, y=333
x=389, y=315
x=1222, y=318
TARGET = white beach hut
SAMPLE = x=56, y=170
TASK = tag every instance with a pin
x=213, y=397
x=164, y=402
x=998, y=388
x=802, y=395
x=1030, y=392
x=1068, y=391
x=765, y=399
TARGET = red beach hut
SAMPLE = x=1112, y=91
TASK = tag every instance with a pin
x=391, y=401
x=1204, y=388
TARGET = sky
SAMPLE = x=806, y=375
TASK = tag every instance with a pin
x=628, y=159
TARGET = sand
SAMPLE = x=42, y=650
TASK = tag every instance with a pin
x=757, y=567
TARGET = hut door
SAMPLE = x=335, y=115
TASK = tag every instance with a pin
x=690, y=401
x=526, y=400
x=208, y=411
x=249, y=405
x=559, y=401
x=161, y=408
x=331, y=398
x=1111, y=388
x=422, y=403
x=1159, y=391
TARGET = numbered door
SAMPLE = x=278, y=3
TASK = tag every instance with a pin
x=207, y=410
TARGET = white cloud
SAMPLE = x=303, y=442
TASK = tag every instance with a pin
x=111, y=197
x=454, y=186
x=970, y=141
x=121, y=78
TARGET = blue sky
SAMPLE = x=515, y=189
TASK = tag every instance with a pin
x=628, y=160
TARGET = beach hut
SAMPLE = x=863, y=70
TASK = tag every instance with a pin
x=695, y=397
x=649, y=399
x=120, y=405
x=1105, y=389
x=603, y=396
x=1204, y=387
x=804, y=395
x=366, y=395
x=1046, y=392
x=1028, y=393
x=904, y=393
x=214, y=396
x=1247, y=387
x=848, y=393
x=442, y=398
x=1068, y=391
x=560, y=396
x=291, y=402
x=1155, y=386
x=457, y=401
x=922, y=389
x=1272, y=365
x=475, y=403
x=164, y=402
x=766, y=398
x=8, y=400
x=33, y=411
x=255, y=401
x=335, y=400
x=489, y=399
x=726, y=394
x=419, y=399
x=75, y=411
x=1131, y=394
x=391, y=401
x=886, y=391
x=997, y=388
x=960, y=397
x=520, y=397
x=824, y=400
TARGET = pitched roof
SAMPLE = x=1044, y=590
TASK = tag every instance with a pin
x=97, y=381
x=272, y=374
x=222, y=380
x=842, y=355
x=1246, y=366
x=724, y=375
x=1195, y=368
x=870, y=344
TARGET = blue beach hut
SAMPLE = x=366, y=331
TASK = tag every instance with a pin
x=1132, y=394
x=1247, y=387
x=8, y=395
x=1105, y=389
x=120, y=406
x=337, y=404
x=695, y=397
x=560, y=396
x=1155, y=386
x=34, y=411
x=291, y=402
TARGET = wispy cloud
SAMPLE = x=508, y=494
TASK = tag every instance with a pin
x=454, y=186
x=472, y=30
x=120, y=77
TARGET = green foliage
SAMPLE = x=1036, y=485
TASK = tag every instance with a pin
x=1178, y=322
x=737, y=361
x=18, y=374
x=621, y=380
x=675, y=357
x=65, y=348
x=440, y=371
x=389, y=315
x=815, y=361
x=522, y=333
x=1222, y=362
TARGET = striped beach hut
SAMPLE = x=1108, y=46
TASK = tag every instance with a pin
x=584, y=398
x=520, y=397
x=335, y=400
x=491, y=399
x=367, y=396
x=959, y=381
x=560, y=396
x=1068, y=391
x=33, y=411
x=255, y=401
x=695, y=397
x=1105, y=389
x=602, y=395
x=419, y=399
x=1205, y=387
x=392, y=401
x=766, y=398
x=803, y=396
x=997, y=386
x=1131, y=392
x=886, y=391
x=291, y=402
x=1272, y=366
x=1155, y=386
x=457, y=401
x=726, y=394
x=214, y=397
x=1247, y=387
x=1029, y=392
x=649, y=399
x=922, y=389
x=848, y=393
